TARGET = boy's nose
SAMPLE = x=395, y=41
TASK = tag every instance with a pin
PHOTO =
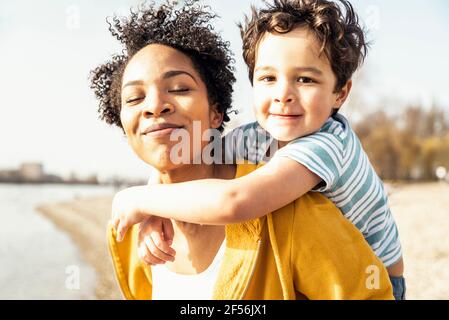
x=284, y=95
x=284, y=101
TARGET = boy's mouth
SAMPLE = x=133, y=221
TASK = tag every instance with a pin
x=285, y=116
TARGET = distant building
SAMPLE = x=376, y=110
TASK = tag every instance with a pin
x=92, y=179
x=32, y=171
x=52, y=178
x=10, y=176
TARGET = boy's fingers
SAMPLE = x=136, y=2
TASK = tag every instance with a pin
x=146, y=255
x=113, y=223
x=121, y=231
x=169, y=232
x=154, y=227
x=161, y=244
x=155, y=251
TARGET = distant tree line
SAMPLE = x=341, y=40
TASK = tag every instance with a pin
x=406, y=146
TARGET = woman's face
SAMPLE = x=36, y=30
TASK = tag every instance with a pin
x=162, y=92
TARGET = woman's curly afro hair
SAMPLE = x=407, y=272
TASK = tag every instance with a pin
x=186, y=29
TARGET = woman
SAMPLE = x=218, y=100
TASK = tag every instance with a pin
x=175, y=74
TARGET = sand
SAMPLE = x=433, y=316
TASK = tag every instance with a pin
x=421, y=212
x=422, y=215
x=85, y=221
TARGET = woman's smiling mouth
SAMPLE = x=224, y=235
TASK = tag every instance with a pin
x=160, y=129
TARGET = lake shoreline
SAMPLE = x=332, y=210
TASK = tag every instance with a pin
x=85, y=221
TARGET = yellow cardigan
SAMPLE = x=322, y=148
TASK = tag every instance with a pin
x=305, y=250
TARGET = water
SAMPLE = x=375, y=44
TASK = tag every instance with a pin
x=37, y=260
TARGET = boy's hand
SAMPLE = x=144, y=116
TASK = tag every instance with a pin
x=155, y=238
x=125, y=211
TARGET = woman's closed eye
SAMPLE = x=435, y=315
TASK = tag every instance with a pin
x=134, y=99
x=179, y=90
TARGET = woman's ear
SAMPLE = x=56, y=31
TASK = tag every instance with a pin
x=343, y=94
x=215, y=117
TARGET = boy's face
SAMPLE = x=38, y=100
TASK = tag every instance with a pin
x=293, y=85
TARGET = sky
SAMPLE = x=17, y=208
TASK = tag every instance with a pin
x=47, y=48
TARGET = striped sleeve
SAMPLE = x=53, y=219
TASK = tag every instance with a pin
x=249, y=142
x=321, y=153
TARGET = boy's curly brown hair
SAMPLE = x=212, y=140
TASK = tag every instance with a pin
x=342, y=38
x=186, y=29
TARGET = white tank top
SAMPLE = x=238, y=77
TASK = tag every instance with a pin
x=168, y=285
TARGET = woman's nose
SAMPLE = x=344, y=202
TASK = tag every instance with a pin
x=155, y=105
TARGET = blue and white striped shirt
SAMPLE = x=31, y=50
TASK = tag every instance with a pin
x=335, y=154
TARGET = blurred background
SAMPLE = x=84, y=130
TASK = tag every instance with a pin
x=60, y=165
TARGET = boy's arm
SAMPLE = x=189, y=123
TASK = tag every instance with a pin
x=155, y=178
x=216, y=201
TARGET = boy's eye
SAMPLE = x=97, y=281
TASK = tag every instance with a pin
x=304, y=80
x=267, y=79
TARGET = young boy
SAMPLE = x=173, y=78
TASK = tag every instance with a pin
x=301, y=56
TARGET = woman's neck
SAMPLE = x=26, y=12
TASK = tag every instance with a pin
x=189, y=173
x=196, y=244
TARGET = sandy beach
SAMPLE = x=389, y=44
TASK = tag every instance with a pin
x=85, y=221
x=422, y=215
x=421, y=212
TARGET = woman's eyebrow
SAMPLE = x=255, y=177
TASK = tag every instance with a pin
x=166, y=75
x=133, y=83
x=174, y=73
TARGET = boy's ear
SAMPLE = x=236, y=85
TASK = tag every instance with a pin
x=215, y=117
x=343, y=94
